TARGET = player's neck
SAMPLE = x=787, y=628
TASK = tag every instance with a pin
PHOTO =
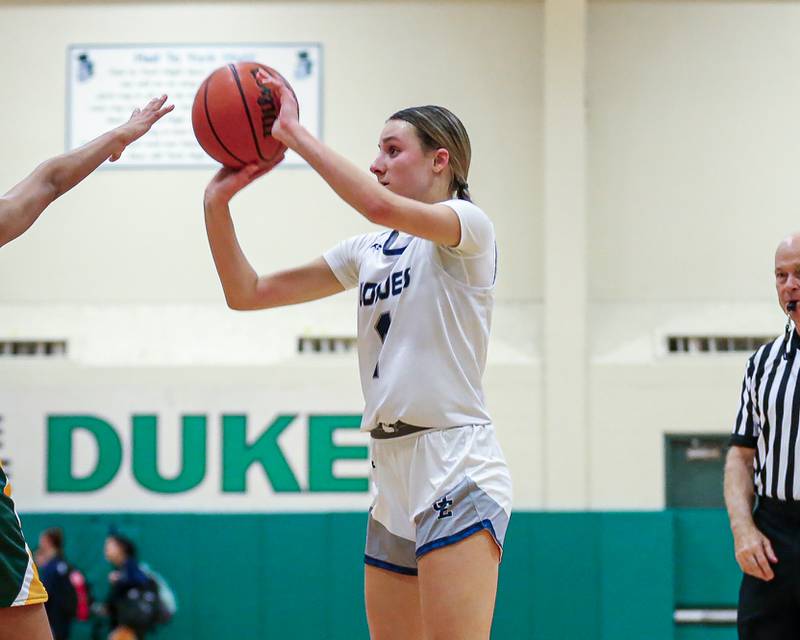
x=437, y=193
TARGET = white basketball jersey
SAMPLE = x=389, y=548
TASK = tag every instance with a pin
x=424, y=314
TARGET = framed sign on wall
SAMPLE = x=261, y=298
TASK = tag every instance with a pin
x=106, y=82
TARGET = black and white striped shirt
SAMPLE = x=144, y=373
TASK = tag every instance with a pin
x=769, y=417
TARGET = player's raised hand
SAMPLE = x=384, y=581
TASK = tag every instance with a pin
x=140, y=122
x=288, y=116
x=228, y=182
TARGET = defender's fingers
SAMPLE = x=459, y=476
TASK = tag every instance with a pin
x=156, y=103
x=162, y=112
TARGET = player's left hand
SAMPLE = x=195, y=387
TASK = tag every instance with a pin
x=288, y=115
x=228, y=182
x=140, y=122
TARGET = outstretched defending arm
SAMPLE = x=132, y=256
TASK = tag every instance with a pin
x=24, y=203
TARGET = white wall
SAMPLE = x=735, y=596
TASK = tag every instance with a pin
x=138, y=236
x=120, y=267
x=692, y=148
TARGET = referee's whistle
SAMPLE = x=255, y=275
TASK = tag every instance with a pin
x=792, y=306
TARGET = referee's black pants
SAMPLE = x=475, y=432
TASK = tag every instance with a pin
x=771, y=610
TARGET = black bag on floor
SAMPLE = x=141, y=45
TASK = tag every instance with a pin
x=138, y=608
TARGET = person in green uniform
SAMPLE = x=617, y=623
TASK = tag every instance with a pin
x=22, y=596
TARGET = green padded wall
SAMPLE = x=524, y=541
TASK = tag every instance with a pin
x=706, y=574
x=565, y=576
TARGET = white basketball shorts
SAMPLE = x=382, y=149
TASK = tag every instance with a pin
x=433, y=489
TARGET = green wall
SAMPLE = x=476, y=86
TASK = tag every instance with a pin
x=565, y=576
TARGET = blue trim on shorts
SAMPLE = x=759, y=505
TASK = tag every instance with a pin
x=458, y=537
x=374, y=562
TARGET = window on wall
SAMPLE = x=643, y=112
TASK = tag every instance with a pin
x=326, y=344
x=714, y=344
x=33, y=348
x=694, y=468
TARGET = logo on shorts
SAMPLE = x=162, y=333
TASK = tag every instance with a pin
x=442, y=507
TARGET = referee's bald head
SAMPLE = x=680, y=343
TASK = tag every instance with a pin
x=787, y=273
x=789, y=242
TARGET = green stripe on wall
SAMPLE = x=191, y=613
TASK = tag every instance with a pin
x=565, y=576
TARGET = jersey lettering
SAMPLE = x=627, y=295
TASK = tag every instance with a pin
x=382, y=327
x=371, y=292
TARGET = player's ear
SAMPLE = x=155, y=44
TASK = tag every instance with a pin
x=441, y=160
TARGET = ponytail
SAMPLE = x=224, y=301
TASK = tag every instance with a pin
x=462, y=190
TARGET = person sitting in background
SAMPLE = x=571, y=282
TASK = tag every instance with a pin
x=54, y=572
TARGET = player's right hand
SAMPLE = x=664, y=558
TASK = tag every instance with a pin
x=228, y=182
x=754, y=554
x=288, y=116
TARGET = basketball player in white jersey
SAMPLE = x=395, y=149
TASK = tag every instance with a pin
x=425, y=295
x=22, y=614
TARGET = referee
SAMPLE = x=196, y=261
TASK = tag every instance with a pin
x=763, y=467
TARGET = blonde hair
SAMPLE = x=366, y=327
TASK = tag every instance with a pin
x=440, y=128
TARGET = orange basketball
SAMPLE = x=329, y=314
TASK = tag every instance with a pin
x=233, y=114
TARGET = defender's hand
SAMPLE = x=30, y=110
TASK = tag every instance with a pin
x=140, y=122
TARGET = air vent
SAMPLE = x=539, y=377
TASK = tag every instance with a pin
x=326, y=344
x=33, y=348
x=715, y=344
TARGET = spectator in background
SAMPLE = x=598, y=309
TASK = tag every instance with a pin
x=54, y=573
x=132, y=603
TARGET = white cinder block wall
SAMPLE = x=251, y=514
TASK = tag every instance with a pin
x=691, y=141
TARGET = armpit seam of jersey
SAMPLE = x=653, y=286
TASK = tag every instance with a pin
x=454, y=251
x=474, y=287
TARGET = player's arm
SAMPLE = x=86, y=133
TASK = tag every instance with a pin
x=244, y=289
x=24, y=203
x=436, y=222
x=753, y=550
